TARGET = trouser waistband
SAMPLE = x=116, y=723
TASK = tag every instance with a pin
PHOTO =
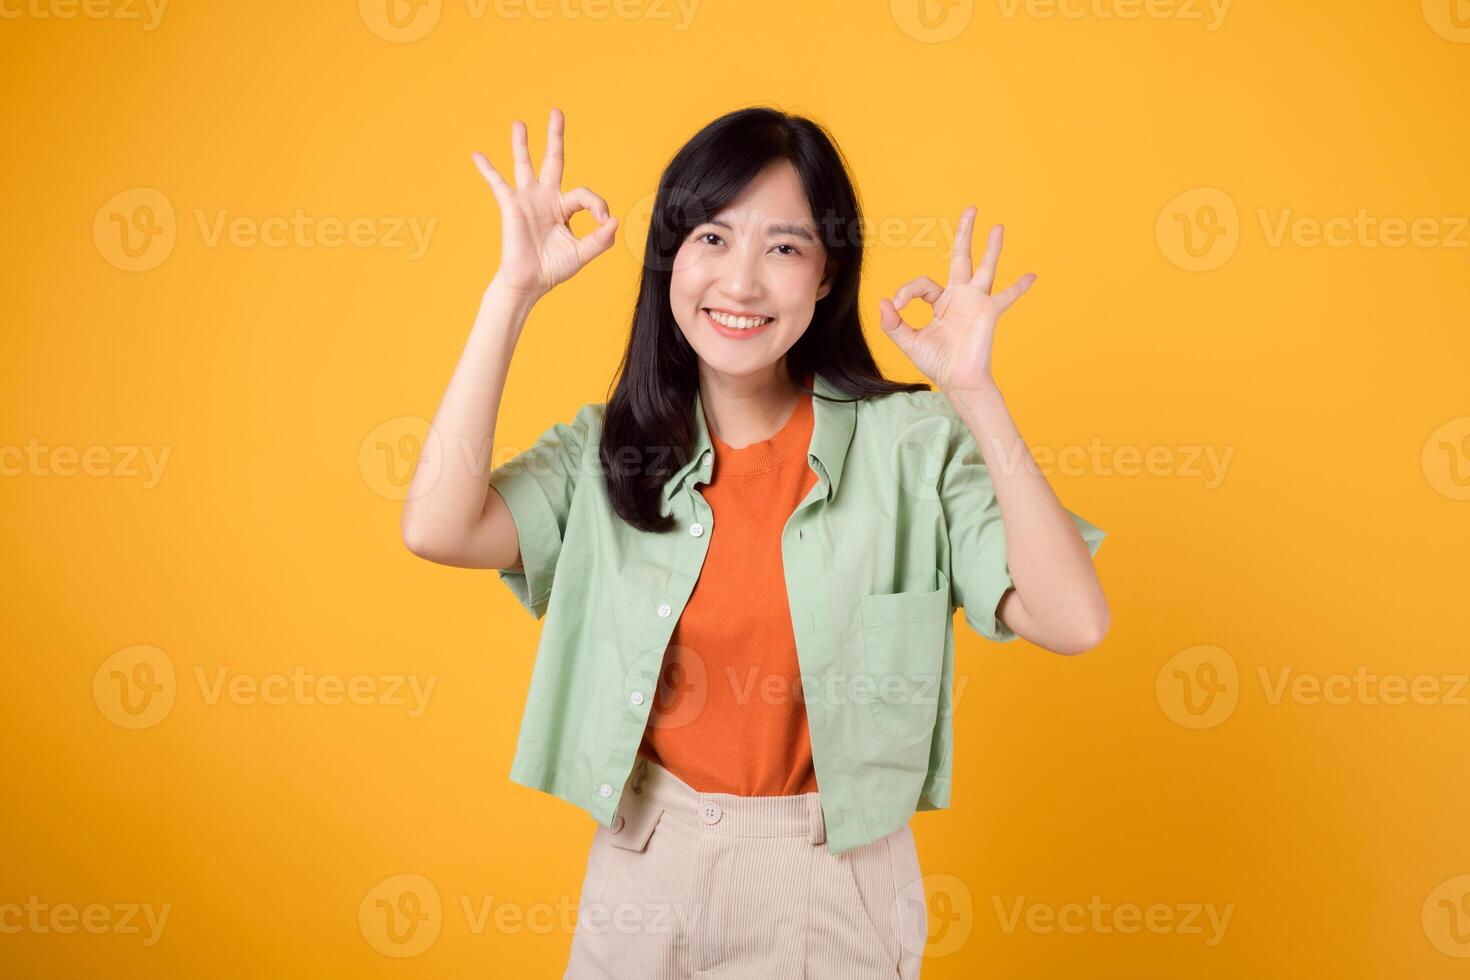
x=651, y=786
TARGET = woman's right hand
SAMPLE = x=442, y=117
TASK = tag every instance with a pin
x=538, y=249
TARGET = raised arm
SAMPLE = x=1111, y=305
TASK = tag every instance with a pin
x=451, y=515
x=1056, y=601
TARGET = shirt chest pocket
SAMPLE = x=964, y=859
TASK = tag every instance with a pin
x=903, y=637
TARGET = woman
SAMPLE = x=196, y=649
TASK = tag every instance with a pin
x=749, y=558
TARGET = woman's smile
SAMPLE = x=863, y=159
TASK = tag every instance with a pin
x=739, y=327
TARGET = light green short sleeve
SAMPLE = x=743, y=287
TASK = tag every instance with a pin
x=979, y=574
x=538, y=486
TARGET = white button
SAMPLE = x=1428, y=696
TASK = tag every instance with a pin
x=709, y=812
x=664, y=609
x=696, y=529
x=617, y=824
x=604, y=791
x=636, y=697
x=706, y=457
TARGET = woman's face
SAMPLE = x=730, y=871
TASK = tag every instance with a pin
x=762, y=256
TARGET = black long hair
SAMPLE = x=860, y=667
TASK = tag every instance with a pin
x=652, y=404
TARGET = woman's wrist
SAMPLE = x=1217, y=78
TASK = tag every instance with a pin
x=501, y=286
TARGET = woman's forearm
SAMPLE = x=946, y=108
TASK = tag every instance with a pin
x=1058, y=601
x=447, y=495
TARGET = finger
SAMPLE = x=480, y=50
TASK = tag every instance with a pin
x=583, y=199
x=959, y=263
x=551, y=164
x=985, y=276
x=524, y=173
x=1009, y=296
x=923, y=287
x=597, y=241
x=893, y=324
x=492, y=177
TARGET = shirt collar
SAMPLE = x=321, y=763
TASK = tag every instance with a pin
x=833, y=423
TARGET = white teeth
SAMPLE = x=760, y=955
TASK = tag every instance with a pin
x=738, y=322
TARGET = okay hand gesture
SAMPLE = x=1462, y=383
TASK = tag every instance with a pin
x=953, y=348
x=538, y=250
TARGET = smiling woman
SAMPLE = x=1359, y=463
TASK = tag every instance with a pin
x=749, y=558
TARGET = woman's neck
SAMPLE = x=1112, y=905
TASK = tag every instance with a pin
x=742, y=409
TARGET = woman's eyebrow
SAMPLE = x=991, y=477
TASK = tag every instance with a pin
x=775, y=229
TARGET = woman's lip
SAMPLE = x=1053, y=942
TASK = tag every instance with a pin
x=731, y=331
x=731, y=312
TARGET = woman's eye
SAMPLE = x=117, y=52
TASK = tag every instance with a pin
x=794, y=249
x=709, y=234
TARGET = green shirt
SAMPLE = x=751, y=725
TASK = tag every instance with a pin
x=901, y=527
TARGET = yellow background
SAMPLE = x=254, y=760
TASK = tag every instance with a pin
x=1335, y=539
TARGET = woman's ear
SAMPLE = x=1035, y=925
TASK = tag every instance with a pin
x=829, y=275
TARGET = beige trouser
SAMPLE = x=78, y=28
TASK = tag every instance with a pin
x=703, y=885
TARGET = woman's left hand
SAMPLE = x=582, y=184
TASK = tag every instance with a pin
x=953, y=349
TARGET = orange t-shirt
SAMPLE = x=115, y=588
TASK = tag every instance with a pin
x=729, y=716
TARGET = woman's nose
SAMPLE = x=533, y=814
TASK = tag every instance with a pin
x=741, y=272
